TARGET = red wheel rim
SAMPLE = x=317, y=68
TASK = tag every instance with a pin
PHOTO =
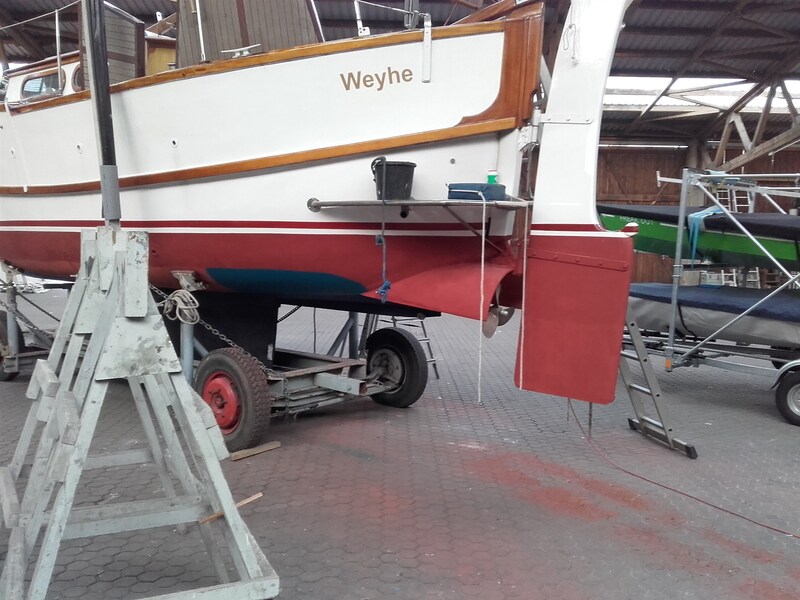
x=220, y=393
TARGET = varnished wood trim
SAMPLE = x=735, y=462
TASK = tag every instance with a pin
x=534, y=42
x=504, y=8
x=277, y=56
x=522, y=52
x=51, y=190
x=267, y=162
x=50, y=103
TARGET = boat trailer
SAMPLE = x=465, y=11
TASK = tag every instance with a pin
x=246, y=388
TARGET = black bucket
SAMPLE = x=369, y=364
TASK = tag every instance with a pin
x=399, y=177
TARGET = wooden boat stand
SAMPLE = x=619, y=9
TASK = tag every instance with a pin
x=112, y=330
x=658, y=429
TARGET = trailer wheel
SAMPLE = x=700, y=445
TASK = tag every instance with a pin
x=787, y=397
x=4, y=342
x=399, y=360
x=231, y=382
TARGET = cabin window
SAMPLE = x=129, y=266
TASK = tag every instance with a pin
x=41, y=84
x=77, y=79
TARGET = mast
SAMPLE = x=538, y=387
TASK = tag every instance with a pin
x=97, y=63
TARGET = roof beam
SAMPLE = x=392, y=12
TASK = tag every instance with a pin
x=685, y=5
x=756, y=7
x=66, y=16
x=755, y=33
x=771, y=52
x=779, y=142
x=777, y=51
x=721, y=69
x=772, y=8
x=775, y=72
x=761, y=27
x=21, y=37
x=724, y=23
x=762, y=121
x=789, y=101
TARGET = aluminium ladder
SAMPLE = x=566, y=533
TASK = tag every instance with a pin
x=659, y=429
x=416, y=322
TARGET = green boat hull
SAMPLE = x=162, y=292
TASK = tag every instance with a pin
x=720, y=248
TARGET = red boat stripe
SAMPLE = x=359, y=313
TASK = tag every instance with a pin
x=248, y=225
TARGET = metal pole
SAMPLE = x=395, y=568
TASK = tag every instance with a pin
x=187, y=351
x=772, y=202
x=11, y=320
x=58, y=53
x=353, y=339
x=97, y=61
x=340, y=339
x=677, y=268
x=200, y=31
x=3, y=58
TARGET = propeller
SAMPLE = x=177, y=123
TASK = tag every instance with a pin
x=497, y=317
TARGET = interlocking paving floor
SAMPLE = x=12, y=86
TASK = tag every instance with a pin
x=454, y=499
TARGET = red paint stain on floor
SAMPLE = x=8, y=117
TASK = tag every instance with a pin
x=566, y=502
x=764, y=590
x=669, y=553
x=556, y=487
x=754, y=554
x=569, y=502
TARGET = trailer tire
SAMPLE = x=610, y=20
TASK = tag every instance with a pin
x=787, y=397
x=233, y=384
x=402, y=360
x=4, y=342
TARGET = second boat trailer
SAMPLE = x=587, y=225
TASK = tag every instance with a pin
x=712, y=350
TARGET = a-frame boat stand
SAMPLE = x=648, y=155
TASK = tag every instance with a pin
x=112, y=330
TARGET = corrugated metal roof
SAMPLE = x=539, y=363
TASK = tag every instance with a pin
x=709, y=38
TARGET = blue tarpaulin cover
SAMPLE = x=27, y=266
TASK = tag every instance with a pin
x=784, y=306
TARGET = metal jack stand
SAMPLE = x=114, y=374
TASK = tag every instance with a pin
x=112, y=330
x=659, y=429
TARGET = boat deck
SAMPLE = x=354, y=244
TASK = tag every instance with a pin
x=457, y=501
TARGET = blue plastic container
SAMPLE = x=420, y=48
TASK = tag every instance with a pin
x=472, y=191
